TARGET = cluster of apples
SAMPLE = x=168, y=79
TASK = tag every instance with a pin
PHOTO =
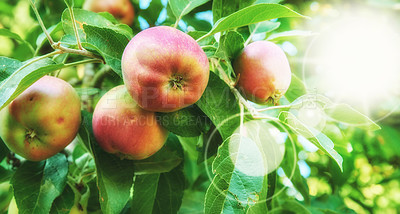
x=164, y=70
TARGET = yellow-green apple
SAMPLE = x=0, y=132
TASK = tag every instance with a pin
x=263, y=71
x=164, y=69
x=121, y=127
x=42, y=120
x=120, y=9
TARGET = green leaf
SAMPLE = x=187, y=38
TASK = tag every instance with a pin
x=7, y=67
x=263, y=27
x=37, y=184
x=186, y=122
x=23, y=77
x=220, y=105
x=317, y=138
x=292, y=171
x=183, y=7
x=236, y=186
x=348, y=115
x=289, y=34
x=64, y=202
x=296, y=89
x=158, y=193
x=230, y=45
x=222, y=8
x=9, y=34
x=251, y=15
x=108, y=43
x=114, y=176
x=84, y=17
x=168, y=158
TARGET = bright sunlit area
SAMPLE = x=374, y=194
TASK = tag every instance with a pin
x=355, y=59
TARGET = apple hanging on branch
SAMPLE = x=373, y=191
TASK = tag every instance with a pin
x=164, y=69
x=263, y=71
x=42, y=120
x=121, y=127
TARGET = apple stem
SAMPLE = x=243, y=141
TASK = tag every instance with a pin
x=30, y=134
x=251, y=35
x=177, y=22
x=176, y=82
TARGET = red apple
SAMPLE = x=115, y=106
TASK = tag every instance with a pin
x=121, y=127
x=120, y=9
x=42, y=120
x=164, y=69
x=264, y=72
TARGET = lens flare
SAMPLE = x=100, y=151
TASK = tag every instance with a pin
x=356, y=60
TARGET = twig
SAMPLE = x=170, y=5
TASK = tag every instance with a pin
x=51, y=41
x=251, y=35
x=74, y=51
x=71, y=13
x=57, y=46
x=177, y=22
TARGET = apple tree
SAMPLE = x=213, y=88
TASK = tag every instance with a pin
x=179, y=106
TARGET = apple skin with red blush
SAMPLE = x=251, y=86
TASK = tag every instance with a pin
x=263, y=71
x=164, y=69
x=42, y=120
x=122, y=128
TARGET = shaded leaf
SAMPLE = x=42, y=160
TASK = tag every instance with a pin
x=220, y=105
x=37, y=184
x=64, y=202
x=159, y=193
x=186, y=122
